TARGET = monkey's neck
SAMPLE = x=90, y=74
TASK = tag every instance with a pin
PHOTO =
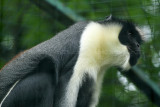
x=82, y=75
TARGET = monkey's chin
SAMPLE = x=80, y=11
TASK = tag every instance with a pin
x=124, y=67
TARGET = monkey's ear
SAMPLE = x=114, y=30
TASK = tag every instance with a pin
x=108, y=17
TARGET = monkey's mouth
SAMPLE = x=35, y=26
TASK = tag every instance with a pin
x=134, y=56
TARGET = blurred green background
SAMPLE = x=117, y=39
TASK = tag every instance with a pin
x=25, y=23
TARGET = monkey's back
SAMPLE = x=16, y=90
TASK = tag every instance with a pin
x=61, y=49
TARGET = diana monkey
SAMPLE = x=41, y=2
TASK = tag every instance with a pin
x=68, y=69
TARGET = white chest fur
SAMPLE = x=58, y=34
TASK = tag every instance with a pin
x=99, y=48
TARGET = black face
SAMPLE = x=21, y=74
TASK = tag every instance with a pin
x=130, y=37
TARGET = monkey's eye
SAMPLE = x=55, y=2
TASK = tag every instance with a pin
x=129, y=33
x=130, y=36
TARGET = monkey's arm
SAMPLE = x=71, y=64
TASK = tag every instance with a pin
x=25, y=64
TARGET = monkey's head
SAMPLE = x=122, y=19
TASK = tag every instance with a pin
x=127, y=44
x=116, y=41
x=109, y=43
